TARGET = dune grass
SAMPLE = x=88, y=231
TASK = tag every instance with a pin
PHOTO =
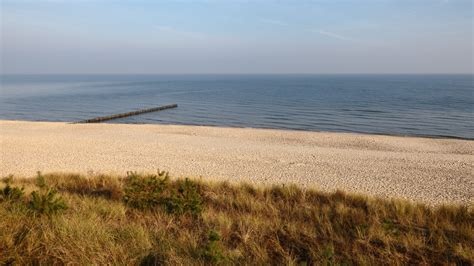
x=152, y=220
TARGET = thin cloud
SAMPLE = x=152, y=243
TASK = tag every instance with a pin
x=165, y=28
x=174, y=31
x=332, y=35
x=322, y=32
x=273, y=22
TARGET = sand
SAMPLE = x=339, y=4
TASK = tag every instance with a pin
x=432, y=171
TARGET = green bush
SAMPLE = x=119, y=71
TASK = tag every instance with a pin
x=41, y=181
x=145, y=192
x=46, y=200
x=185, y=199
x=212, y=251
x=148, y=192
x=9, y=193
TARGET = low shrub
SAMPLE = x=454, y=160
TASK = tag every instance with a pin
x=9, y=193
x=186, y=198
x=46, y=200
x=145, y=192
x=41, y=181
x=151, y=191
x=212, y=251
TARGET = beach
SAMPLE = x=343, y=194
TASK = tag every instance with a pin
x=428, y=170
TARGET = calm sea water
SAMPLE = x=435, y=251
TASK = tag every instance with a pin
x=428, y=105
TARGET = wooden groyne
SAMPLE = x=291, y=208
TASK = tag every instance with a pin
x=110, y=117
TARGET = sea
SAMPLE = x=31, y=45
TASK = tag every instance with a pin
x=408, y=105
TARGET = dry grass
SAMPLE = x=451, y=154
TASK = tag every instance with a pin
x=239, y=224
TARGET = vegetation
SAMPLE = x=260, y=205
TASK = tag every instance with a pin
x=153, y=219
x=9, y=193
x=151, y=191
x=45, y=201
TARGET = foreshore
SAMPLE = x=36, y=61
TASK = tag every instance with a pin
x=432, y=171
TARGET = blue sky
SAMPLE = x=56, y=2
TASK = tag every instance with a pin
x=326, y=36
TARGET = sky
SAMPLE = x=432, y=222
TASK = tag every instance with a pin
x=236, y=36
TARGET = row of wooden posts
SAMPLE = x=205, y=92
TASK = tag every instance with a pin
x=116, y=116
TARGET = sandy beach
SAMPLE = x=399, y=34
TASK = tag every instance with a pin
x=432, y=171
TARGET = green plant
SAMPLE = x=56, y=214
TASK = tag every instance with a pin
x=46, y=202
x=145, y=192
x=212, y=251
x=40, y=181
x=185, y=199
x=151, y=191
x=9, y=193
x=327, y=255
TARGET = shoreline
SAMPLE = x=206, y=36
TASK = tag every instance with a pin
x=448, y=137
x=428, y=170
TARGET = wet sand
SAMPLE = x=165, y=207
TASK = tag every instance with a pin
x=428, y=170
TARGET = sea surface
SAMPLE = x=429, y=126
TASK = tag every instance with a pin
x=419, y=105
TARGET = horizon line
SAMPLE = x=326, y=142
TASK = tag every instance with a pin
x=247, y=73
